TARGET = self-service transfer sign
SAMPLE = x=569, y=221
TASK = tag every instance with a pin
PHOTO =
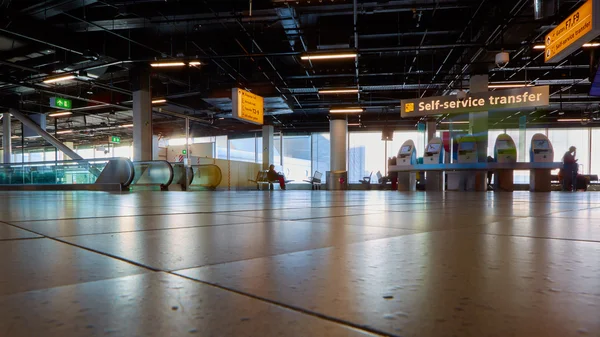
x=476, y=102
x=580, y=27
x=247, y=106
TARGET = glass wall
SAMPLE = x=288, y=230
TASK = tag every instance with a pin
x=366, y=156
x=595, y=162
x=321, y=153
x=243, y=149
x=400, y=137
x=296, y=157
x=562, y=139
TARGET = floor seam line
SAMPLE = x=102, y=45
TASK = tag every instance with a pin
x=291, y=307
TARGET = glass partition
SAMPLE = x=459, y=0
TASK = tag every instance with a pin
x=53, y=173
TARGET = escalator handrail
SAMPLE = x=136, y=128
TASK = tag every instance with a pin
x=56, y=163
x=131, y=172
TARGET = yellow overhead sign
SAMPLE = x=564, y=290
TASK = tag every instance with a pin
x=579, y=28
x=247, y=106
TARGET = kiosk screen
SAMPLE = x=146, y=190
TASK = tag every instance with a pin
x=503, y=145
x=541, y=144
x=433, y=148
x=467, y=146
x=405, y=149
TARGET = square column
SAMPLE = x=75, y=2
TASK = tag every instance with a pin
x=6, y=140
x=478, y=126
x=142, y=115
x=268, y=146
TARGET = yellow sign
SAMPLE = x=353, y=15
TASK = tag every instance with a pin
x=579, y=28
x=247, y=106
x=410, y=107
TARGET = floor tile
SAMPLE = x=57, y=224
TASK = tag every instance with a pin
x=546, y=227
x=44, y=263
x=8, y=232
x=434, y=284
x=85, y=226
x=154, y=305
x=416, y=221
x=188, y=247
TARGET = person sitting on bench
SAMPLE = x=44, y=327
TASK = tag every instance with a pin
x=273, y=175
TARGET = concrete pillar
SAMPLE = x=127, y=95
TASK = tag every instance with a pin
x=142, y=115
x=268, y=146
x=6, y=140
x=338, y=130
x=478, y=126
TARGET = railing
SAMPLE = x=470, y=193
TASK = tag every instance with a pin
x=63, y=172
x=153, y=173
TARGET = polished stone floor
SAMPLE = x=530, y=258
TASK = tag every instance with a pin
x=299, y=263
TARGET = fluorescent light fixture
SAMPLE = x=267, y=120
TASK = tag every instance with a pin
x=346, y=110
x=59, y=79
x=585, y=45
x=62, y=132
x=126, y=126
x=328, y=56
x=353, y=124
x=508, y=85
x=338, y=91
x=455, y=122
x=167, y=64
x=159, y=101
x=195, y=63
x=60, y=114
x=567, y=120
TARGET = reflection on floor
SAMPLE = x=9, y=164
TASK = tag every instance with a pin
x=299, y=263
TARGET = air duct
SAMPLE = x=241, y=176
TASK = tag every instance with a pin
x=544, y=8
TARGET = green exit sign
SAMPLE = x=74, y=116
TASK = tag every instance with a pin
x=61, y=103
x=114, y=140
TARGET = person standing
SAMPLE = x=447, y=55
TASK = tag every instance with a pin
x=569, y=170
x=273, y=175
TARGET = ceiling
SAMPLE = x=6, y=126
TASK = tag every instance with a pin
x=406, y=49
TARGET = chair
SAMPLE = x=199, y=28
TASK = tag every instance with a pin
x=366, y=180
x=315, y=181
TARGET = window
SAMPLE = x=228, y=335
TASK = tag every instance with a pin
x=122, y=151
x=595, y=169
x=296, y=157
x=321, y=153
x=85, y=153
x=562, y=139
x=400, y=137
x=221, y=147
x=243, y=149
x=366, y=155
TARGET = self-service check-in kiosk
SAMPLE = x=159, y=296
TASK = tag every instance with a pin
x=541, y=151
x=467, y=154
x=505, y=151
x=434, y=154
x=407, y=156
